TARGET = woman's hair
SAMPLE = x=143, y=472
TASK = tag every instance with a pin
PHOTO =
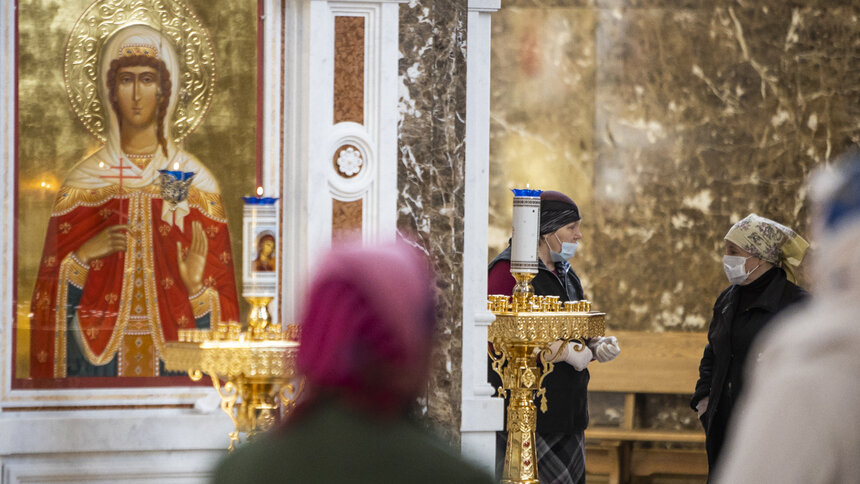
x=164, y=88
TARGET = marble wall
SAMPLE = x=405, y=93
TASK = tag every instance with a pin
x=667, y=121
x=431, y=177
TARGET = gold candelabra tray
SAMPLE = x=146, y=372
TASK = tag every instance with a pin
x=543, y=320
x=524, y=327
x=236, y=355
x=257, y=367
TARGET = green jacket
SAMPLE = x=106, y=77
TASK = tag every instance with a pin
x=332, y=444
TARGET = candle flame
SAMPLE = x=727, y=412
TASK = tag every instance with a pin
x=527, y=186
x=175, y=165
x=259, y=191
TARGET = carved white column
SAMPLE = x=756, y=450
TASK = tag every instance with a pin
x=328, y=161
x=482, y=415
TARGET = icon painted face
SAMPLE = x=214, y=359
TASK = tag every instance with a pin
x=268, y=247
x=137, y=95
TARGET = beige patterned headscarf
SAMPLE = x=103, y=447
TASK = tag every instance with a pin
x=769, y=241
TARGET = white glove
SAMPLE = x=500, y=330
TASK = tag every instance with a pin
x=702, y=406
x=578, y=359
x=604, y=349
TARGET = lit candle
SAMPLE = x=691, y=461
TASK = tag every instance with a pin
x=524, y=239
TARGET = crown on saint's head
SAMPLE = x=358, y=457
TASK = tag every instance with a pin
x=147, y=50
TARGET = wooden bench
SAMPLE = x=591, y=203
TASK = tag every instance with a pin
x=649, y=363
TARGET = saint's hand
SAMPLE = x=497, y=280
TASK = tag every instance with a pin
x=191, y=266
x=110, y=240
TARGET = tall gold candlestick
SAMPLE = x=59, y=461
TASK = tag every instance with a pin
x=524, y=327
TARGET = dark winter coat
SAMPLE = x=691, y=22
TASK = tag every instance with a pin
x=730, y=336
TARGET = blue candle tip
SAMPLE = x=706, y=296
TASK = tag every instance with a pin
x=260, y=200
x=526, y=192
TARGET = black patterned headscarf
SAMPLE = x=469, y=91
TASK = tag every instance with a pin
x=556, y=211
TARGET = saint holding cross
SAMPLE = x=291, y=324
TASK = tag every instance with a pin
x=124, y=266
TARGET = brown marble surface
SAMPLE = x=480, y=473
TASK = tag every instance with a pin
x=667, y=121
x=431, y=151
x=349, y=69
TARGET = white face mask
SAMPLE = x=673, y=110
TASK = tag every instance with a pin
x=735, y=268
x=568, y=250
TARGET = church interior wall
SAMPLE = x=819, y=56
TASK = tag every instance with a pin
x=667, y=121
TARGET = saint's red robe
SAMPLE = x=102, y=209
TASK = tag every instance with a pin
x=105, y=301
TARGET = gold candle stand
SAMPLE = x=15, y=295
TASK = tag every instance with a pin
x=257, y=367
x=524, y=327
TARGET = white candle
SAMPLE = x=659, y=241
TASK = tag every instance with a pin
x=524, y=239
x=260, y=246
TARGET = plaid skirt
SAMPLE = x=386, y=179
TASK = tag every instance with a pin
x=561, y=457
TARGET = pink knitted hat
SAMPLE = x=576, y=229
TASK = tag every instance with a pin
x=367, y=326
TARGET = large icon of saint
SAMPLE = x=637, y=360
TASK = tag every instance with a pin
x=137, y=246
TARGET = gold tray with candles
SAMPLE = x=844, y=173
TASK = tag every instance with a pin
x=521, y=334
x=257, y=368
x=229, y=352
x=543, y=319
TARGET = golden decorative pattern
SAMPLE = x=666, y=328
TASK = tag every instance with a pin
x=137, y=356
x=257, y=367
x=545, y=328
x=349, y=69
x=523, y=328
x=270, y=359
x=69, y=198
x=171, y=18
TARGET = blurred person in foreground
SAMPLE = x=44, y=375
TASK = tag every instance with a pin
x=800, y=421
x=561, y=429
x=760, y=260
x=366, y=340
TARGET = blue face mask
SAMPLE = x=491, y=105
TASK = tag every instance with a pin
x=568, y=250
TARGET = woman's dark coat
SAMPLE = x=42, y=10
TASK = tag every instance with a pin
x=716, y=379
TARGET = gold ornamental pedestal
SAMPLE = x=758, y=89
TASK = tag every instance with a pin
x=257, y=368
x=524, y=327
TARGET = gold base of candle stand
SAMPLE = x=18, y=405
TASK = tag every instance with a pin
x=524, y=327
x=257, y=368
x=259, y=316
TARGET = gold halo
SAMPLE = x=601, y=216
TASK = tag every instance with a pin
x=173, y=19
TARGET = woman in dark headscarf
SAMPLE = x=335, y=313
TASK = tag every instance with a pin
x=367, y=333
x=561, y=430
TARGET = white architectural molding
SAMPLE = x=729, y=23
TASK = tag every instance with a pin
x=309, y=180
x=157, y=446
x=7, y=190
x=272, y=116
x=481, y=414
